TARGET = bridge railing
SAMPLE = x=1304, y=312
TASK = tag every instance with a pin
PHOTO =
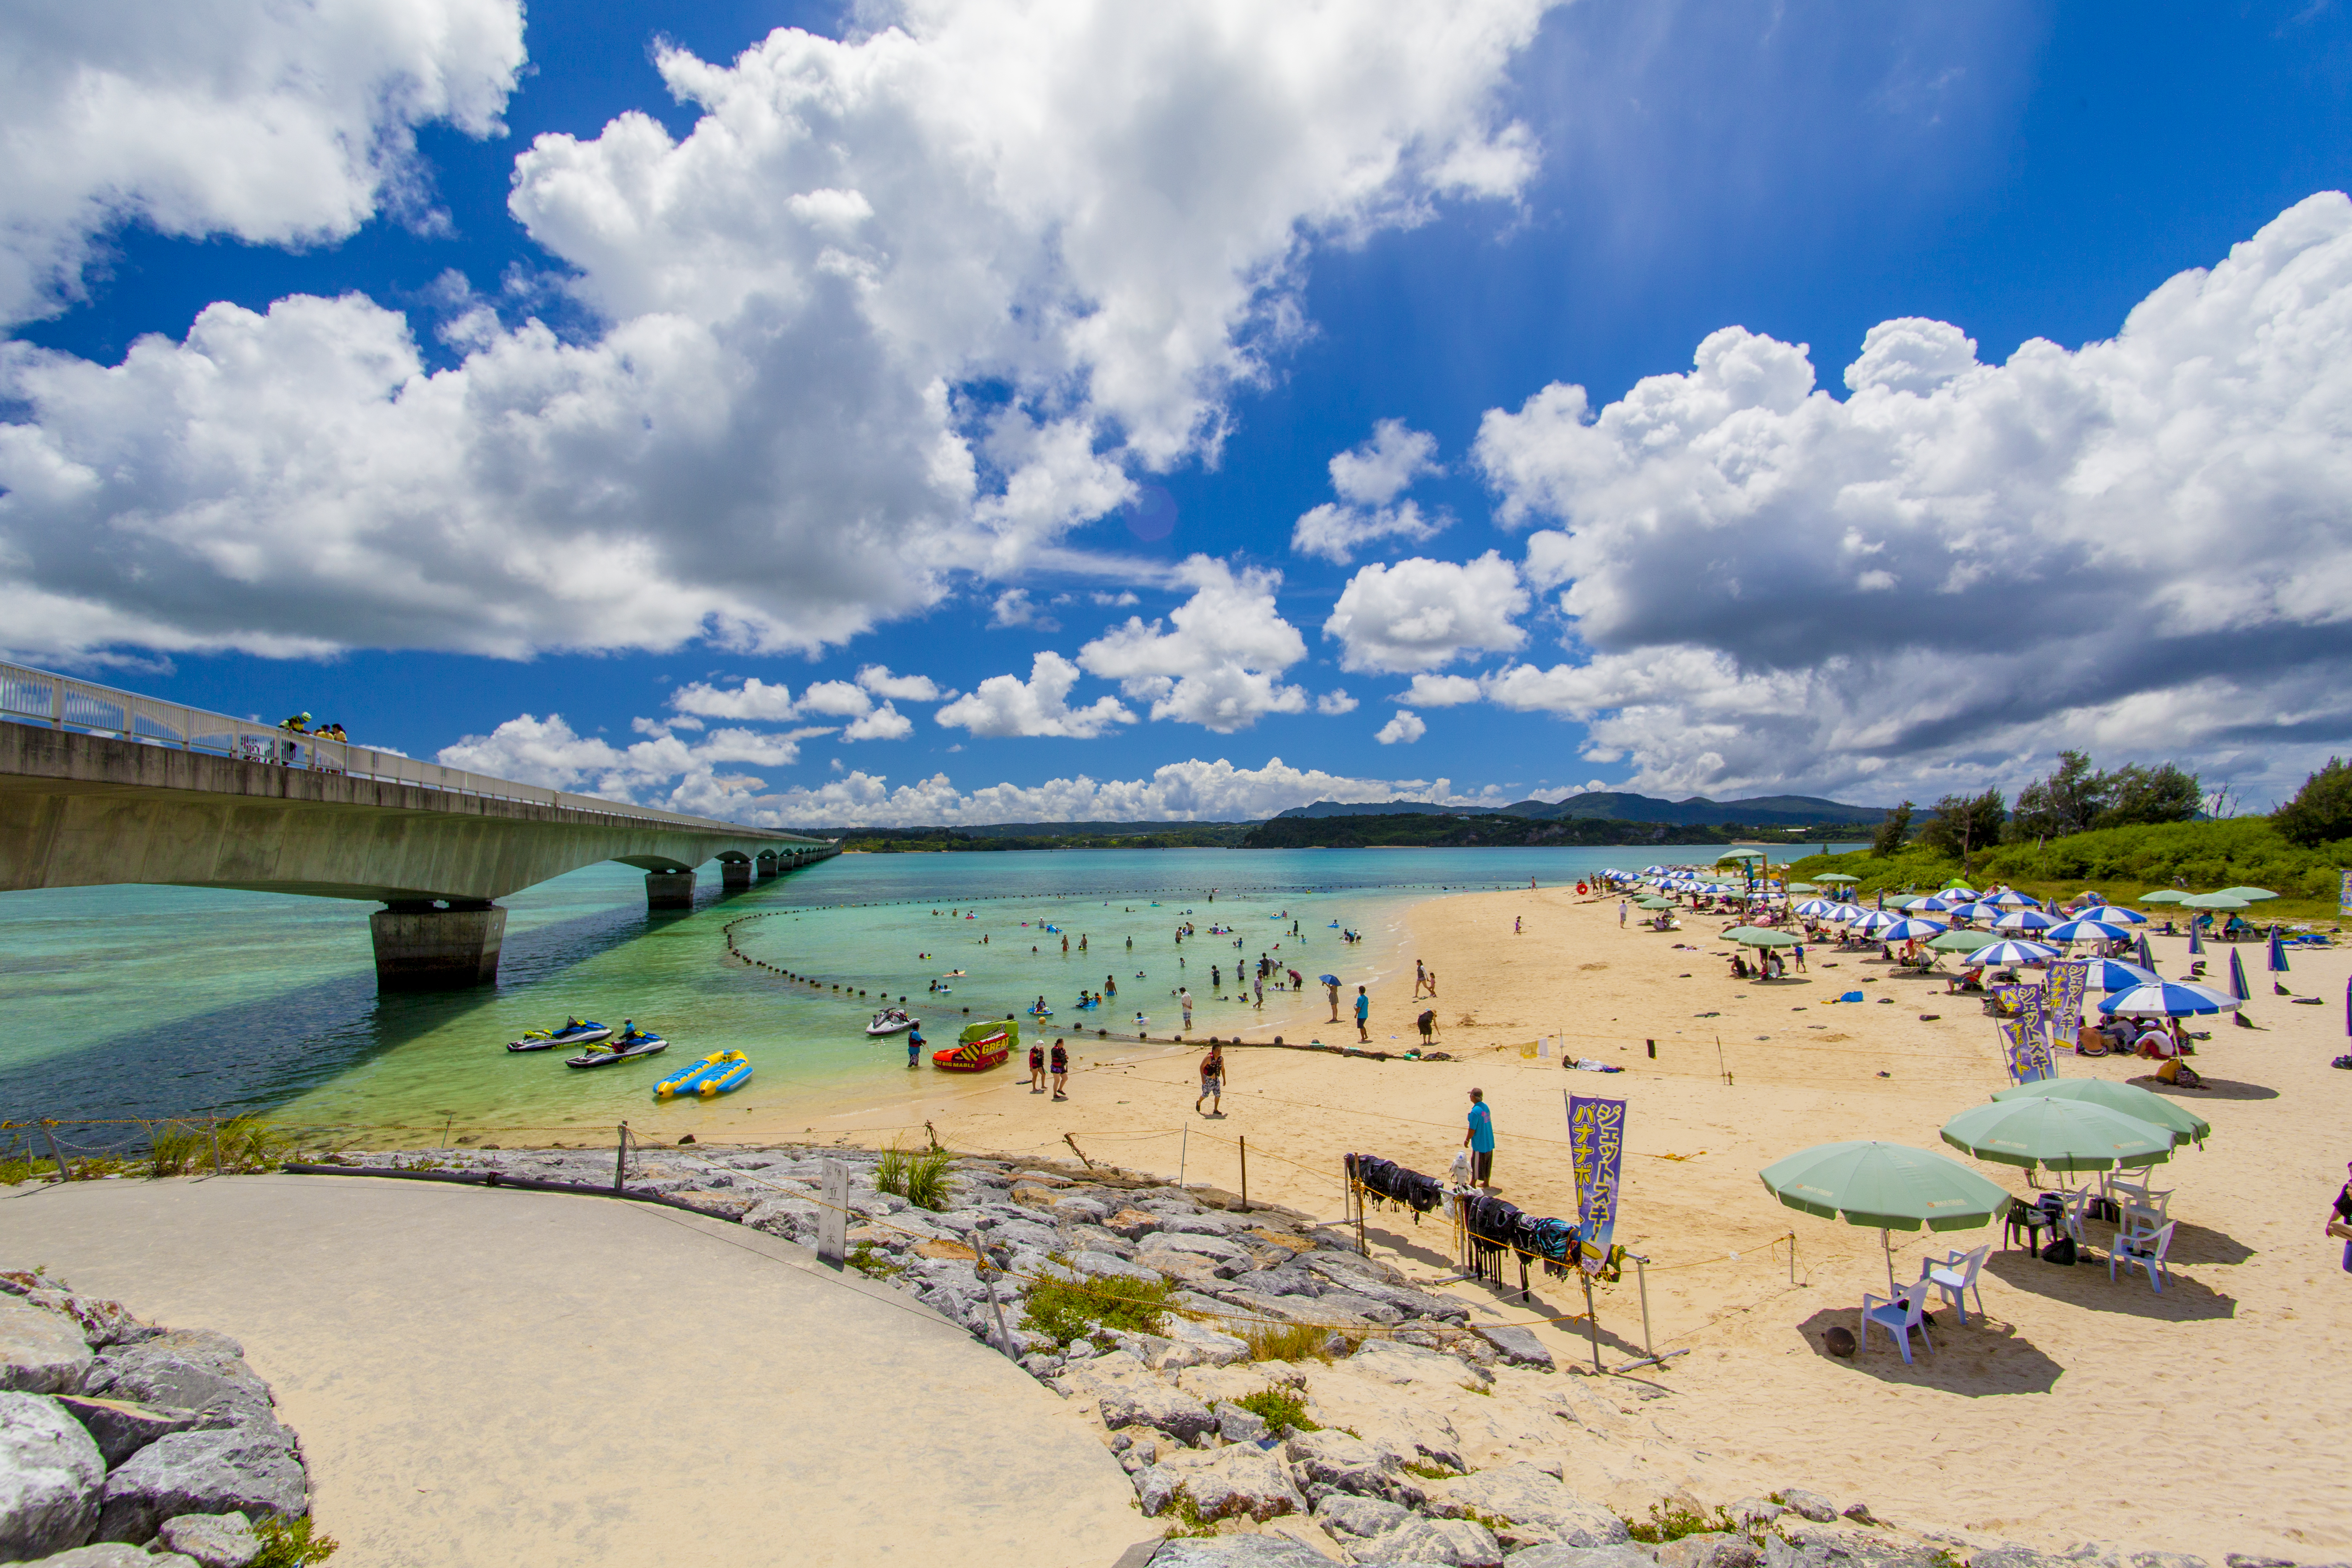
x=61, y=702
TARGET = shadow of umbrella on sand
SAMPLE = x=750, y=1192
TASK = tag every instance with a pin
x=1887, y=1186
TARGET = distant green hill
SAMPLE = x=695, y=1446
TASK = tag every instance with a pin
x=1616, y=806
x=1426, y=829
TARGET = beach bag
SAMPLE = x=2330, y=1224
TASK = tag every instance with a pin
x=2060, y=1251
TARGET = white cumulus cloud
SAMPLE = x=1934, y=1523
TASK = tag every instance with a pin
x=1369, y=479
x=1423, y=614
x=1220, y=663
x=878, y=678
x=271, y=123
x=1006, y=705
x=2140, y=546
x=1404, y=727
x=1336, y=702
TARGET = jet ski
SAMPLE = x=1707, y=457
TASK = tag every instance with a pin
x=625, y=1047
x=891, y=1021
x=575, y=1032
x=709, y=1077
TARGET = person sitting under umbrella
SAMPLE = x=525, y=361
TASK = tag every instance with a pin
x=1967, y=980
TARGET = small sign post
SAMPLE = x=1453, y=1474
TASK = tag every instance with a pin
x=832, y=1215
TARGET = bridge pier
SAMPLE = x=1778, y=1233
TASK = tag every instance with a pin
x=669, y=890
x=734, y=875
x=421, y=946
x=768, y=865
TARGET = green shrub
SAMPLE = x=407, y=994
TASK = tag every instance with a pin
x=927, y=1179
x=1065, y=1310
x=1671, y=1523
x=1279, y=1407
x=291, y=1545
x=890, y=1171
x=175, y=1148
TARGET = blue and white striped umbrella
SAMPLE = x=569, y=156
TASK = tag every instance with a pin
x=1935, y=903
x=1910, y=928
x=1876, y=920
x=2004, y=953
x=2116, y=914
x=2023, y=919
x=1816, y=908
x=2010, y=899
x=2169, y=999
x=2087, y=929
x=2278, y=953
x=1846, y=914
x=2147, y=959
x=2115, y=974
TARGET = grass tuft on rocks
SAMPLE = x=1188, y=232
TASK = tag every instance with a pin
x=1672, y=1522
x=1290, y=1342
x=1065, y=1310
x=1279, y=1408
x=292, y=1544
x=920, y=1179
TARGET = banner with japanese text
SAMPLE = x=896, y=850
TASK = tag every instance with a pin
x=2017, y=1010
x=1596, y=1141
x=2070, y=981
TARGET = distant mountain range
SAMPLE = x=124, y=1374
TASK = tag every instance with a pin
x=1760, y=811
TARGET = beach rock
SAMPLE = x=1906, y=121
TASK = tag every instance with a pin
x=1185, y=1268
x=1237, y=1551
x=1452, y=1540
x=51, y=1478
x=2245, y=1560
x=1150, y=1402
x=1132, y=1223
x=1084, y=1211
x=1216, y=1246
x=1536, y=1505
x=1406, y=1366
x=794, y=1219
x=213, y=1540
x=1332, y=1461
x=1808, y=1505
x=24, y=1282
x=1517, y=1345
x=1809, y=1545
x=1214, y=1348
x=2166, y=1560
x=1755, y=1510
x=41, y=1352
x=1235, y=1425
x=1710, y=1549
x=1563, y=1556
x=1238, y=1482
x=1024, y=1233
x=219, y=1387
x=1100, y=1265
x=1345, y=1514
x=1282, y=1280
x=121, y=1428
x=242, y=1469
x=102, y=1323
x=1344, y=1306
x=1296, y=1308
x=1404, y=1299
x=2024, y=1557
x=113, y=1554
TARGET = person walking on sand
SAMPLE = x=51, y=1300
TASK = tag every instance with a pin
x=1620, y=914
x=1420, y=978
x=1331, y=989
x=1518, y=924
x=2339, y=1222
x=1213, y=1081
x=1037, y=1070
x=1363, y=1016
x=1184, y=1000
x=1061, y=1071
x=1480, y=1140
x=1258, y=987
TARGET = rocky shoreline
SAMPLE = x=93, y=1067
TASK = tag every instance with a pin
x=1399, y=1428
x=123, y=1445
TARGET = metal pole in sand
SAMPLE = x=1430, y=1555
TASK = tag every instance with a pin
x=1642, y=1279
x=986, y=1269
x=1592, y=1322
x=1182, y=1150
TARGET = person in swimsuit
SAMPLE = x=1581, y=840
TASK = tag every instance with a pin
x=1213, y=1081
x=1061, y=1071
x=1037, y=1070
x=914, y=1047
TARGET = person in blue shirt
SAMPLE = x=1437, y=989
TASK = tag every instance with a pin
x=1480, y=1139
x=1363, y=1015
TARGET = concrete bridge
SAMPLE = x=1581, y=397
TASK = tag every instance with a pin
x=100, y=786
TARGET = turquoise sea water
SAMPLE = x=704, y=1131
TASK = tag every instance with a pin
x=139, y=1001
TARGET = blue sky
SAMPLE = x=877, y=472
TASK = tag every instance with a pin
x=1156, y=285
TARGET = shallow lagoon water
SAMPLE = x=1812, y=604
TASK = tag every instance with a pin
x=139, y=1001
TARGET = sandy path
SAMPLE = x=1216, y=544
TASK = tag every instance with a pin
x=2078, y=1410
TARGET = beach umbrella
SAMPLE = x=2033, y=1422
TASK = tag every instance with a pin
x=2162, y=896
x=2010, y=899
x=2114, y=975
x=1956, y=941
x=1838, y=876
x=1960, y=884
x=1653, y=870
x=2278, y=953
x=2196, y=941
x=1967, y=910
x=2087, y=929
x=2251, y=895
x=2147, y=959
x=2169, y=999
x=1910, y=931
x=1846, y=914
x=1740, y=855
x=1816, y=908
x=2001, y=954
x=1936, y=903
x=2116, y=914
x=1329, y=979
x=1885, y=1186
x=1876, y=920
x=2132, y=1100
x=2215, y=902
x=2023, y=919
x=1654, y=903
x=1759, y=936
x=2238, y=986
x=2063, y=1134
x=1803, y=887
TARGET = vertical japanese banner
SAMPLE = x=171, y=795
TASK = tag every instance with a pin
x=2344, y=893
x=1596, y=1141
x=2022, y=1040
x=2070, y=983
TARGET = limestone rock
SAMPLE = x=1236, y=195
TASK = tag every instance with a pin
x=113, y=1554
x=1131, y=1223
x=1217, y=1246
x=1100, y=1265
x=1451, y=1540
x=794, y=1219
x=1517, y=1345
x=1238, y=1482
x=1237, y=1551
x=51, y=1477
x=41, y=1352
x=1235, y=1425
x=2021, y=1557
x=1150, y=1403
x=1297, y=1309
x=1536, y=1506
x=1808, y=1505
x=214, y=1539
x=1332, y=1461
x=1811, y=1546
x=1755, y=1510
x=1084, y=1211
x=101, y=1323
x=24, y=1282
x=1338, y=1306
x=1710, y=1549
x=248, y=1469
x=1185, y=1268
x=121, y=1428
x=165, y=1374
x=1563, y=1556
x=1347, y=1515
x=1214, y=1348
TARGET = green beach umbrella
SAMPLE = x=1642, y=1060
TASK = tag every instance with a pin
x=1838, y=876
x=1957, y=941
x=2162, y=896
x=1760, y=936
x=2251, y=895
x=2127, y=1098
x=2063, y=1134
x=1803, y=887
x=1655, y=903
x=2214, y=902
x=1740, y=855
x=1961, y=883
x=1887, y=1186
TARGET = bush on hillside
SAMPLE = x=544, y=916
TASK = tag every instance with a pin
x=2321, y=810
x=2192, y=855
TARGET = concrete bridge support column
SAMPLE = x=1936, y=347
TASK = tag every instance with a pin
x=768, y=865
x=734, y=875
x=669, y=890
x=423, y=947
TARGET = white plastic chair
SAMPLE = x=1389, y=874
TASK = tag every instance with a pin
x=1899, y=1319
x=2146, y=1252
x=1955, y=1276
x=2072, y=1209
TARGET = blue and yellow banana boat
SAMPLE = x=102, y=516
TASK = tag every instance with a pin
x=709, y=1077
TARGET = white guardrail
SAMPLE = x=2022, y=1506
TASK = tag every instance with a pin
x=29, y=695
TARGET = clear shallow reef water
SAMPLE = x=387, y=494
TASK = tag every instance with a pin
x=143, y=1001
